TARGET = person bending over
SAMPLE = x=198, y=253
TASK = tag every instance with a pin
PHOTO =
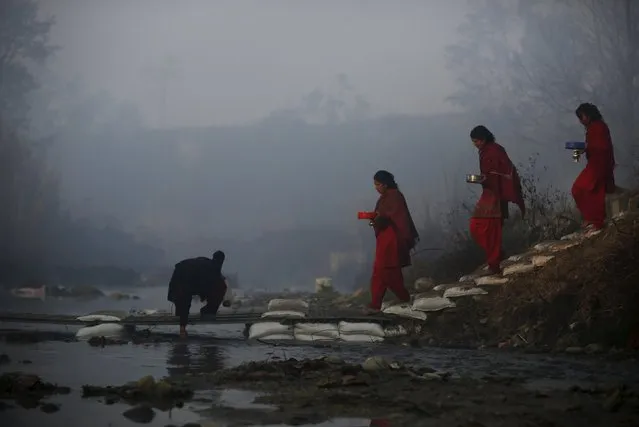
x=201, y=277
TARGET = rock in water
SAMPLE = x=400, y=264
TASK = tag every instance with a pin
x=375, y=363
x=142, y=414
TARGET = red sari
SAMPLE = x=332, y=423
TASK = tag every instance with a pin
x=597, y=178
x=502, y=185
x=396, y=235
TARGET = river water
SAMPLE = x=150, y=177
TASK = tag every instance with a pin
x=215, y=347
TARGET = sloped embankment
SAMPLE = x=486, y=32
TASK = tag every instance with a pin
x=578, y=291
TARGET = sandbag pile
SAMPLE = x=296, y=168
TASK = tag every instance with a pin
x=314, y=332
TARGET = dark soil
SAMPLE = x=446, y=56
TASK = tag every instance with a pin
x=312, y=391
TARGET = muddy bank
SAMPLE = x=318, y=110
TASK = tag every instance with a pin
x=316, y=390
x=28, y=391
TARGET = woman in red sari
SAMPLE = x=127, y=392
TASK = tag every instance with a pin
x=396, y=236
x=501, y=185
x=597, y=178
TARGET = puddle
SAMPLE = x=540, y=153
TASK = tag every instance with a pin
x=75, y=411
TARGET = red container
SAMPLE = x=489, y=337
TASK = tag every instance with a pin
x=366, y=215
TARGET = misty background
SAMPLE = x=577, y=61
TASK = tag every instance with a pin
x=136, y=134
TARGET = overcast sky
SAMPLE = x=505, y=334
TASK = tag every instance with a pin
x=235, y=61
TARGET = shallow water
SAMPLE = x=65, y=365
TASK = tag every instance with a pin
x=215, y=347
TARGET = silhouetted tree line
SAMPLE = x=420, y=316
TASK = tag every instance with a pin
x=35, y=234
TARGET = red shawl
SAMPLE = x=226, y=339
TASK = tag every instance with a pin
x=600, y=155
x=502, y=183
x=392, y=208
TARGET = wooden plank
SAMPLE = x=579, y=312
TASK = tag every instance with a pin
x=158, y=320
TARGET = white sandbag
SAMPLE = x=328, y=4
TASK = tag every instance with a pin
x=360, y=338
x=287, y=314
x=360, y=328
x=107, y=330
x=277, y=337
x=314, y=337
x=432, y=304
x=463, y=292
x=98, y=318
x=541, y=260
x=328, y=330
x=518, y=269
x=491, y=281
x=262, y=329
x=279, y=304
x=516, y=258
x=467, y=278
x=405, y=310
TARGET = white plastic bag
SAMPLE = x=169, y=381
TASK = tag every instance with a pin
x=463, y=292
x=327, y=330
x=107, y=330
x=361, y=338
x=360, y=328
x=98, y=318
x=395, y=331
x=287, y=314
x=279, y=304
x=432, y=304
x=263, y=329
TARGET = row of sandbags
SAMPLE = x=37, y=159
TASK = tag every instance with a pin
x=341, y=331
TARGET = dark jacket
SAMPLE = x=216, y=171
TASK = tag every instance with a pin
x=195, y=276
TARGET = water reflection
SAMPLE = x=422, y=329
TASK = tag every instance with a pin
x=193, y=359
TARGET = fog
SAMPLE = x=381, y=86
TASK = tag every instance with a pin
x=256, y=127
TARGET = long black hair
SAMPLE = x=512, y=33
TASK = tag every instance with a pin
x=589, y=110
x=482, y=133
x=386, y=178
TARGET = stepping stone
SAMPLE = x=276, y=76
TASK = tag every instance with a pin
x=461, y=291
x=468, y=278
x=572, y=236
x=491, y=281
x=541, y=260
x=518, y=269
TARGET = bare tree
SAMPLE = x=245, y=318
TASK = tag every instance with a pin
x=531, y=62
